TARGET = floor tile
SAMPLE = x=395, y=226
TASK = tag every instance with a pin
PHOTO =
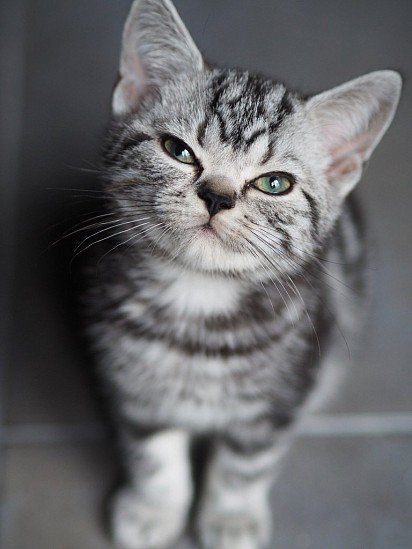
x=344, y=493
x=54, y=497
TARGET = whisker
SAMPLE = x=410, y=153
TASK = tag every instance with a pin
x=319, y=258
x=122, y=243
x=299, y=263
x=274, y=283
x=103, y=239
x=275, y=266
x=333, y=316
x=112, y=226
x=299, y=295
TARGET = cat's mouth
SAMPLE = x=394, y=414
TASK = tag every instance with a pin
x=207, y=228
x=210, y=233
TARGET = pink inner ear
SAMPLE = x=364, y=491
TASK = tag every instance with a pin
x=351, y=119
x=133, y=81
x=342, y=167
x=132, y=65
x=130, y=92
x=345, y=159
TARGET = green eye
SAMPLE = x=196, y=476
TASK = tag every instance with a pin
x=177, y=149
x=273, y=183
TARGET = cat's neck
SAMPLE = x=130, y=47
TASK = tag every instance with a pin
x=190, y=293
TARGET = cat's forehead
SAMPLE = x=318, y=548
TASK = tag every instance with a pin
x=231, y=115
x=238, y=101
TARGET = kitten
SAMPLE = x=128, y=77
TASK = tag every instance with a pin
x=233, y=225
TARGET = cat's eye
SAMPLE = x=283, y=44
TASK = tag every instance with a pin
x=179, y=150
x=273, y=183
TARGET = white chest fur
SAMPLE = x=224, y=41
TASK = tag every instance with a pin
x=193, y=294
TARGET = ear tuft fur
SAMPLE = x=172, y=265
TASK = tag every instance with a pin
x=352, y=119
x=156, y=47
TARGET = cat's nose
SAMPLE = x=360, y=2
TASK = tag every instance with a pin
x=217, y=196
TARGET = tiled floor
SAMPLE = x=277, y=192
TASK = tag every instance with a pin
x=345, y=492
x=347, y=483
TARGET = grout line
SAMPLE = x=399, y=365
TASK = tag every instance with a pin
x=49, y=433
x=356, y=425
x=327, y=425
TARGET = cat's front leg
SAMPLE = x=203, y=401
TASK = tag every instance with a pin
x=150, y=511
x=235, y=511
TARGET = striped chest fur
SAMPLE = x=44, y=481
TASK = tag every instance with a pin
x=203, y=351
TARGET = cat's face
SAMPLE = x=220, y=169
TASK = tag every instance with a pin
x=233, y=133
x=228, y=172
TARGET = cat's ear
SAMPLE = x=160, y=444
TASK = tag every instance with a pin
x=156, y=47
x=352, y=119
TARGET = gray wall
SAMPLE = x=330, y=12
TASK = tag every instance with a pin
x=58, y=61
x=60, y=64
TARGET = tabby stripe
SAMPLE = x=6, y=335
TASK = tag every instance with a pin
x=286, y=106
x=224, y=136
x=218, y=90
x=313, y=213
x=286, y=240
x=201, y=131
x=283, y=218
x=269, y=153
x=139, y=430
x=252, y=468
x=137, y=329
x=251, y=313
x=134, y=139
x=255, y=135
x=233, y=102
x=248, y=447
x=129, y=142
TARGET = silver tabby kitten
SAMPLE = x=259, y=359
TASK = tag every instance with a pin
x=233, y=223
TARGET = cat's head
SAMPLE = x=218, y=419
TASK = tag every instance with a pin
x=225, y=171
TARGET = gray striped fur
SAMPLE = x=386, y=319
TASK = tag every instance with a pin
x=221, y=333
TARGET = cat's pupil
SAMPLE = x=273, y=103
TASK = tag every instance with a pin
x=274, y=183
x=181, y=151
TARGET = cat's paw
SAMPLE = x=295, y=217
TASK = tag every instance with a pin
x=138, y=525
x=233, y=531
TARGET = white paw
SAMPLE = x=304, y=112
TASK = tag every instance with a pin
x=233, y=531
x=138, y=525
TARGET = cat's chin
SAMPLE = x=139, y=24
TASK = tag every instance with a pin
x=209, y=247
x=209, y=252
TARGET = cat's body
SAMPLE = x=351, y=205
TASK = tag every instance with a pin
x=237, y=260
x=203, y=352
